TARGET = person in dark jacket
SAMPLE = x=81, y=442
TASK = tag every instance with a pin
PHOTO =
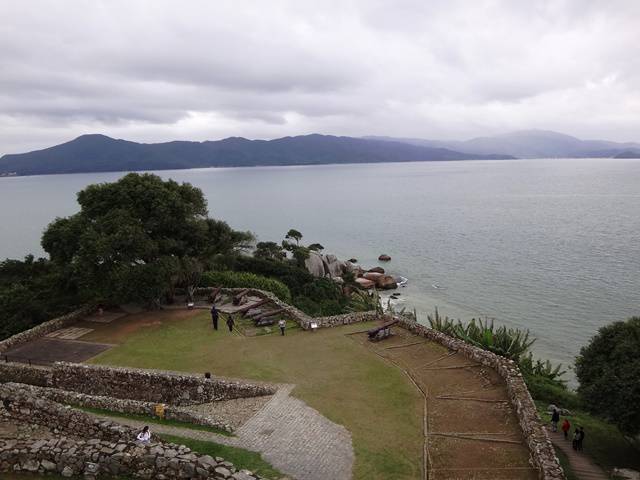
x=214, y=317
x=555, y=418
x=580, y=439
x=230, y=322
x=576, y=437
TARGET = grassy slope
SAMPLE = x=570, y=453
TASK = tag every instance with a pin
x=340, y=378
x=603, y=442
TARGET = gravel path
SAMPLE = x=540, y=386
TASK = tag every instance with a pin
x=291, y=436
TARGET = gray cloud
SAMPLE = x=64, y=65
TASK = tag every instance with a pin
x=161, y=70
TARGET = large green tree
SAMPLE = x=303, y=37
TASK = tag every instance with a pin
x=137, y=238
x=608, y=369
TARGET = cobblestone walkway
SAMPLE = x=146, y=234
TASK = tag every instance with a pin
x=290, y=435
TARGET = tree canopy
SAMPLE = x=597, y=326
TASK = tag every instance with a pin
x=133, y=238
x=608, y=369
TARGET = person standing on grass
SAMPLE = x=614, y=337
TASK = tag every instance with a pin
x=566, y=426
x=230, y=323
x=214, y=317
x=555, y=418
x=282, y=324
x=144, y=436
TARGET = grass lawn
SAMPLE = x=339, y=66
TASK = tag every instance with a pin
x=334, y=374
x=603, y=441
x=238, y=456
x=156, y=420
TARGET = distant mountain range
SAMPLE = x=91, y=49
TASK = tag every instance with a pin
x=530, y=144
x=99, y=153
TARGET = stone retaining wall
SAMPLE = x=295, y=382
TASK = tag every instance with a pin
x=108, y=450
x=344, y=319
x=171, y=412
x=29, y=374
x=45, y=328
x=152, y=385
x=542, y=453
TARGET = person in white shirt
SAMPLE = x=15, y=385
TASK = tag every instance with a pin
x=145, y=435
x=282, y=324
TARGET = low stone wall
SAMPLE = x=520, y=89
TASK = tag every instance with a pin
x=45, y=328
x=151, y=385
x=108, y=450
x=29, y=374
x=338, y=320
x=542, y=453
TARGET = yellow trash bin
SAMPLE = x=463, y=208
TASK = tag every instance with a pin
x=160, y=410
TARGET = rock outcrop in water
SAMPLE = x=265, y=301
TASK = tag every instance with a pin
x=329, y=266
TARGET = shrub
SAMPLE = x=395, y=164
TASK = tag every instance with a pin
x=549, y=391
x=231, y=279
x=608, y=369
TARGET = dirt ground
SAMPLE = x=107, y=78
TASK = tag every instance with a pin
x=45, y=351
x=471, y=430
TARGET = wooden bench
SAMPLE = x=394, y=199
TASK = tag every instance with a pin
x=381, y=332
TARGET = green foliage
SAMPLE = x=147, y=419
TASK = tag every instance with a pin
x=316, y=247
x=512, y=343
x=269, y=251
x=529, y=366
x=138, y=238
x=321, y=297
x=31, y=292
x=231, y=279
x=549, y=391
x=292, y=276
x=608, y=369
x=364, y=301
x=294, y=235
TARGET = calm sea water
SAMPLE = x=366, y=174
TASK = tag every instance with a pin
x=548, y=245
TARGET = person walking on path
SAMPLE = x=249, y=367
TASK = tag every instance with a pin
x=230, y=323
x=555, y=418
x=566, y=426
x=581, y=438
x=282, y=324
x=214, y=317
x=576, y=437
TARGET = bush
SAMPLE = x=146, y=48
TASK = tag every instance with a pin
x=550, y=391
x=608, y=369
x=292, y=276
x=231, y=279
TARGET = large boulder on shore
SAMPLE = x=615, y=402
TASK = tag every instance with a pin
x=386, y=282
x=334, y=266
x=365, y=283
x=373, y=276
x=315, y=264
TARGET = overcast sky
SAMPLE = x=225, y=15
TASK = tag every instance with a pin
x=196, y=70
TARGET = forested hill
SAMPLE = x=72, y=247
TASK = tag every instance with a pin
x=99, y=153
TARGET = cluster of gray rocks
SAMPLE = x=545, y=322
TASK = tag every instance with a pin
x=70, y=457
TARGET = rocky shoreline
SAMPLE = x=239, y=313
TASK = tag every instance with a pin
x=329, y=266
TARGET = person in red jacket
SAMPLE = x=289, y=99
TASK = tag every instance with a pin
x=566, y=426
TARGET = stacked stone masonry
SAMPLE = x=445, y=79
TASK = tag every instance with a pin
x=111, y=448
x=152, y=385
x=543, y=455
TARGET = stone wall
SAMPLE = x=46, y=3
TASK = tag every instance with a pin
x=152, y=385
x=171, y=412
x=29, y=374
x=542, y=453
x=45, y=328
x=344, y=319
x=109, y=448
